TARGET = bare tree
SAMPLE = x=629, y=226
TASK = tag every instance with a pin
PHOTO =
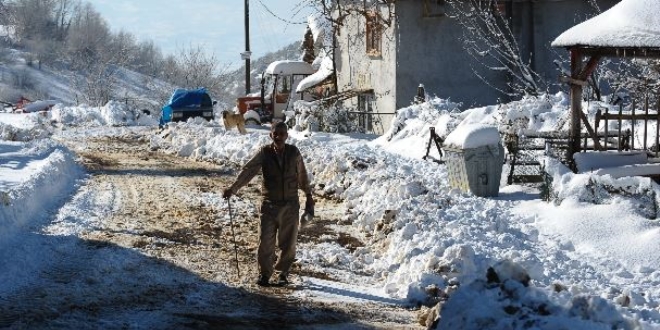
x=147, y=58
x=193, y=68
x=488, y=38
x=32, y=18
x=88, y=51
x=63, y=15
x=4, y=14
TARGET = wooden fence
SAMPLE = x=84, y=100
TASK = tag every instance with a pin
x=626, y=138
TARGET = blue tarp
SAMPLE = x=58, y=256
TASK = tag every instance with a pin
x=187, y=98
x=183, y=98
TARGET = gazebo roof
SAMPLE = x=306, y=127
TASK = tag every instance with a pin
x=630, y=25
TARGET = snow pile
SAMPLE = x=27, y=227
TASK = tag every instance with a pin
x=114, y=113
x=536, y=114
x=424, y=241
x=503, y=299
x=48, y=175
x=437, y=112
x=24, y=127
x=416, y=227
x=202, y=140
x=640, y=194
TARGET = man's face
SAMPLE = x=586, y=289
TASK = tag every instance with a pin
x=279, y=135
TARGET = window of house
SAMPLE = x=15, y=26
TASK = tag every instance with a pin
x=374, y=34
x=433, y=8
x=497, y=6
x=365, y=112
x=500, y=8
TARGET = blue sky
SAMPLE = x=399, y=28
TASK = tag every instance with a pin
x=217, y=25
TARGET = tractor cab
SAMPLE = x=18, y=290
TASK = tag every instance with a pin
x=278, y=92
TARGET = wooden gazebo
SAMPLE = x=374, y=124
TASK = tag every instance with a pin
x=629, y=29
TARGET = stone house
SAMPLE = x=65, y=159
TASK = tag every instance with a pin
x=385, y=60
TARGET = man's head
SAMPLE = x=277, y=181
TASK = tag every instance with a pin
x=279, y=133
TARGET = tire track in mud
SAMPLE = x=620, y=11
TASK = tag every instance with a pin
x=164, y=257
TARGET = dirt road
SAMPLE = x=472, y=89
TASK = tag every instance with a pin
x=152, y=249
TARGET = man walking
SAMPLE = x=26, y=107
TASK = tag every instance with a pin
x=284, y=172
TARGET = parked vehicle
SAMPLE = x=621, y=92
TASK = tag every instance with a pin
x=188, y=103
x=277, y=95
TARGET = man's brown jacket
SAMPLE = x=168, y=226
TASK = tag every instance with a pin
x=282, y=178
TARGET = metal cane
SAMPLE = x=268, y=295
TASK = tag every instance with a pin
x=231, y=221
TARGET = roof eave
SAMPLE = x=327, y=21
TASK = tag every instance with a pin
x=609, y=51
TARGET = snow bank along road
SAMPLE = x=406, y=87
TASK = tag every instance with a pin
x=146, y=243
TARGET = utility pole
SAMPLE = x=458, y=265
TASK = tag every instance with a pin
x=247, y=53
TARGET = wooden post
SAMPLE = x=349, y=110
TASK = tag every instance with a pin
x=576, y=104
x=632, y=134
x=619, y=122
x=599, y=114
x=590, y=132
x=646, y=119
x=607, y=132
x=596, y=126
x=657, y=128
x=632, y=125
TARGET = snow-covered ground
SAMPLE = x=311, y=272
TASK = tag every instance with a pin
x=587, y=261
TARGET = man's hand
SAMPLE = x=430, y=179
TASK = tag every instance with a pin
x=227, y=193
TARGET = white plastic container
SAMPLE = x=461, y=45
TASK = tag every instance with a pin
x=474, y=156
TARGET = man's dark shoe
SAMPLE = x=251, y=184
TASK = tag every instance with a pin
x=282, y=280
x=263, y=280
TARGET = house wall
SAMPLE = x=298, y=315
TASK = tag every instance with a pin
x=538, y=23
x=357, y=70
x=430, y=52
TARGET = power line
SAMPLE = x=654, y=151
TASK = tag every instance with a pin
x=278, y=17
x=266, y=41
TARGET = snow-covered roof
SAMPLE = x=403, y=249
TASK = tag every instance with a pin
x=39, y=105
x=289, y=67
x=630, y=23
x=325, y=71
x=322, y=31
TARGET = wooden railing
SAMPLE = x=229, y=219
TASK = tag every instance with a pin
x=626, y=137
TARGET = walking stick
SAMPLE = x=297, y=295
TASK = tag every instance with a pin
x=231, y=221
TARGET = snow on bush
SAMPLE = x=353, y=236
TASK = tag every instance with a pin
x=435, y=112
x=318, y=116
x=642, y=193
x=533, y=114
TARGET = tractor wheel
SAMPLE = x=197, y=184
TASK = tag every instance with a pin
x=252, y=121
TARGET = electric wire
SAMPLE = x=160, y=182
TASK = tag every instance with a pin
x=278, y=17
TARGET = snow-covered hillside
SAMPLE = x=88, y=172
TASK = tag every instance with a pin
x=22, y=77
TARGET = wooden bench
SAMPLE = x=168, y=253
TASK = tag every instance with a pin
x=618, y=164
